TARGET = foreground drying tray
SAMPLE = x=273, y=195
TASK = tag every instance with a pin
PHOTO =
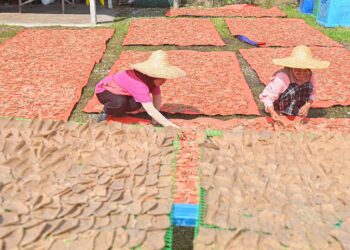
x=84, y=185
x=286, y=188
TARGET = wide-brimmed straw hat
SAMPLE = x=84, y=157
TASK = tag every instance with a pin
x=301, y=58
x=158, y=66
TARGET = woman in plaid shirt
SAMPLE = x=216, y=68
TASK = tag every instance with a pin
x=293, y=88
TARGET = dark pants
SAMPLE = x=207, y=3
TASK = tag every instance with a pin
x=117, y=105
x=293, y=98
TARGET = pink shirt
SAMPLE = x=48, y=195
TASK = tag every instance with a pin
x=127, y=83
x=279, y=83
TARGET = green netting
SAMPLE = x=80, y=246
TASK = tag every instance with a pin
x=169, y=233
x=198, y=222
x=201, y=224
x=339, y=224
x=142, y=126
x=203, y=208
x=176, y=146
x=212, y=133
x=168, y=238
x=15, y=118
x=202, y=193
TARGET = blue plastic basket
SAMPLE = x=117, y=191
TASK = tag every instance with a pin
x=333, y=13
x=306, y=6
x=185, y=215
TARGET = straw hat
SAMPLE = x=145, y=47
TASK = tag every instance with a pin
x=301, y=58
x=158, y=66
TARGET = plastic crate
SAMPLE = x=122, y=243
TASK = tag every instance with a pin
x=185, y=215
x=306, y=6
x=333, y=13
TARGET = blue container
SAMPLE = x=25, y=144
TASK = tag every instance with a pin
x=333, y=13
x=306, y=6
x=185, y=215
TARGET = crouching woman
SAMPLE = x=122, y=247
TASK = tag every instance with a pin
x=292, y=88
x=129, y=90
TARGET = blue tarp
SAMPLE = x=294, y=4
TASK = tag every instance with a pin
x=307, y=6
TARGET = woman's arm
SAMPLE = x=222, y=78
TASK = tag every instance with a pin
x=273, y=113
x=274, y=89
x=157, y=101
x=156, y=115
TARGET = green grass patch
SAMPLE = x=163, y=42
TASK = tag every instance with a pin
x=213, y=133
x=7, y=32
x=232, y=44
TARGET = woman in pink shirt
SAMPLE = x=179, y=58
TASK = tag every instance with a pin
x=293, y=88
x=138, y=87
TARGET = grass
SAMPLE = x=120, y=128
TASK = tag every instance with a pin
x=6, y=32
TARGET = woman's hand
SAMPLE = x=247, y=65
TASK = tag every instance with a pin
x=274, y=115
x=304, y=110
x=157, y=116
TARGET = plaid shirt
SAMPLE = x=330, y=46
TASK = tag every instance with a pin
x=293, y=98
